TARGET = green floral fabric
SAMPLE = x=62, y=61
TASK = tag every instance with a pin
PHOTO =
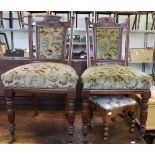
x=107, y=43
x=50, y=41
x=41, y=75
x=112, y=101
x=112, y=76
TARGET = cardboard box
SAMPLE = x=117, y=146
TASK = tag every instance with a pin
x=2, y=49
x=140, y=55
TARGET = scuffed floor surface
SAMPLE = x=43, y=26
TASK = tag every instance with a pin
x=50, y=127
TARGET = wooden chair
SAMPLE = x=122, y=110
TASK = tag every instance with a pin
x=48, y=72
x=107, y=72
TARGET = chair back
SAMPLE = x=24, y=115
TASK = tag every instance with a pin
x=52, y=38
x=107, y=41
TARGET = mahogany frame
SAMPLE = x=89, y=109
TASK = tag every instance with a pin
x=70, y=94
x=86, y=93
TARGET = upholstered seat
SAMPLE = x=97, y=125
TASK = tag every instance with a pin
x=112, y=101
x=112, y=76
x=41, y=75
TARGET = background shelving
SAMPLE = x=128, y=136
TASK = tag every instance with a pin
x=140, y=35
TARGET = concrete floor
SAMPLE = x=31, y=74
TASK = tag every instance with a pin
x=50, y=127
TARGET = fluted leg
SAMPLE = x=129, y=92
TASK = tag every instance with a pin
x=11, y=113
x=143, y=111
x=71, y=118
x=85, y=118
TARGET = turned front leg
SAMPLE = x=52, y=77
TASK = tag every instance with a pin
x=11, y=114
x=85, y=119
x=71, y=118
x=143, y=111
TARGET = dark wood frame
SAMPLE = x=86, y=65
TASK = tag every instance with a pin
x=70, y=94
x=86, y=93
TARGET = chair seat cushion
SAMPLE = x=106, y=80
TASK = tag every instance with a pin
x=41, y=75
x=112, y=101
x=112, y=76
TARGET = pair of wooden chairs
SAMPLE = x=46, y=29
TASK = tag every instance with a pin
x=106, y=73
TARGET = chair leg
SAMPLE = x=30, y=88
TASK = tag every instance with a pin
x=106, y=119
x=106, y=132
x=85, y=119
x=133, y=122
x=71, y=118
x=90, y=115
x=11, y=113
x=143, y=111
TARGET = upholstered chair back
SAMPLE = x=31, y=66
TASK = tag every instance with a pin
x=107, y=41
x=50, y=42
x=53, y=38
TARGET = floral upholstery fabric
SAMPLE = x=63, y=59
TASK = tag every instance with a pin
x=112, y=76
x=50, y=42
x=107, y=43
x=112, y=101
x=41, y=75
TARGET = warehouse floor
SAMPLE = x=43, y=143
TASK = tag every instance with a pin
x=50, y=127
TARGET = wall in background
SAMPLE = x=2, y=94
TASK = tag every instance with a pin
x=138, y=39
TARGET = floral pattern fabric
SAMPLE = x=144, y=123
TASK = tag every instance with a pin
x=108, y=43
x=112, y=76
x=41, y=75
x=50, y=41
x=112, y=101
